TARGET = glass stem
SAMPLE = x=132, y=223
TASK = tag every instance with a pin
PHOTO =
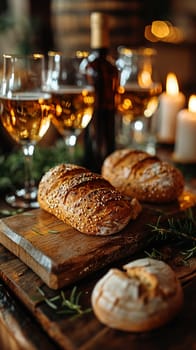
x=28, y=151
x=70, y=143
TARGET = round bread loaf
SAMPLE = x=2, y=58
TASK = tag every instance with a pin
x=138, y=174
x=143, y=297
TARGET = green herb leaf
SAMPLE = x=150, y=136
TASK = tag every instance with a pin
x=64, y=305
x=178, y=232
x=6, y=212
x=43, y=159
x=53, y=231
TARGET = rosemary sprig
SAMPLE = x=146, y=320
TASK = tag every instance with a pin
x=181, y=229
x=154, y=254
x=64, y=305
x=38, y=232
x=178, y=232
x=53, y=232
x=6, y=212
x=189, y=253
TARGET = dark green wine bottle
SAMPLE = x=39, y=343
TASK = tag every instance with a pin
x=99, y=139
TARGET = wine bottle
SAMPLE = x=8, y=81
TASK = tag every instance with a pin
x=99, y=137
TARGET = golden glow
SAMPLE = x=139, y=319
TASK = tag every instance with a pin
x=144, y=78
x=86, y=118
x=192, y=103
x=151, y=107
x=88, y=99
x=38, y=55
x=160, y=29
x=163, y=31
x=175, y=35
x=12, y=115
x=127, y=104
x=58, y=110
x=148, y=34
x=121, y=90
x=82, y=54
x=172, y=87
x=127, y=118
x=187, y=200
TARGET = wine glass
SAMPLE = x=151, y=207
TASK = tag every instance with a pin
x=137, y=99
x=25, y=114
x=72, y=97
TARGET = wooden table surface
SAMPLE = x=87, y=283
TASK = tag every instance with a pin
x=20, y=330
x=25, y=323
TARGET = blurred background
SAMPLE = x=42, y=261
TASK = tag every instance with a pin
x=169, y=26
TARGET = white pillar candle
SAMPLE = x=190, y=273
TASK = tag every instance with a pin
x=171, y=102
x=185, y=146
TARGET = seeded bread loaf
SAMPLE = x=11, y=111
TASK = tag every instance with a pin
x=143, y=176
x=85, y=200
x=145, y=296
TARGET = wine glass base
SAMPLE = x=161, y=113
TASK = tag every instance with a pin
x=22, y=199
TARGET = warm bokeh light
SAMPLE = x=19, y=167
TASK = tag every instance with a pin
x=172, y=87
x=148, y=34
x=151, y=107
x=175, y=35
x=163, y=31
x=145, y=78
x=192, y=103
x=160, y=29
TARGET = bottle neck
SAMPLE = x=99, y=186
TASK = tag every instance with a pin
x=99, y=31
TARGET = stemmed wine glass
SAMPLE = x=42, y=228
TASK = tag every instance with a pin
x=72, y=97
x=137, y=98
x=25, y=114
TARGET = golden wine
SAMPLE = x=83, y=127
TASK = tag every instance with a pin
x=134, y=101
x=26, y=116
x=72, y=109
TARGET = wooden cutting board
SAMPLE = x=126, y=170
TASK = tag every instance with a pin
x=60, y=255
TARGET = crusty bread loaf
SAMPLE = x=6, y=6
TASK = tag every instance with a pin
x=85, y=200
x=143, y=176
x=145, y=296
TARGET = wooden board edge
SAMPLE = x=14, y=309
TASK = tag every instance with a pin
x=8, y=238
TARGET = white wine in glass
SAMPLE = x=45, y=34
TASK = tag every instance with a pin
x=137, y=98
x=25, y=114
x=72, y=98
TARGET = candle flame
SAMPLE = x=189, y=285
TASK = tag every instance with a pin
x=172, y=84
x=192, y=103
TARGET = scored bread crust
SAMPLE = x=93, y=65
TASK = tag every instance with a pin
x=143, y=297
x=143, y=176
x=85, y=200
